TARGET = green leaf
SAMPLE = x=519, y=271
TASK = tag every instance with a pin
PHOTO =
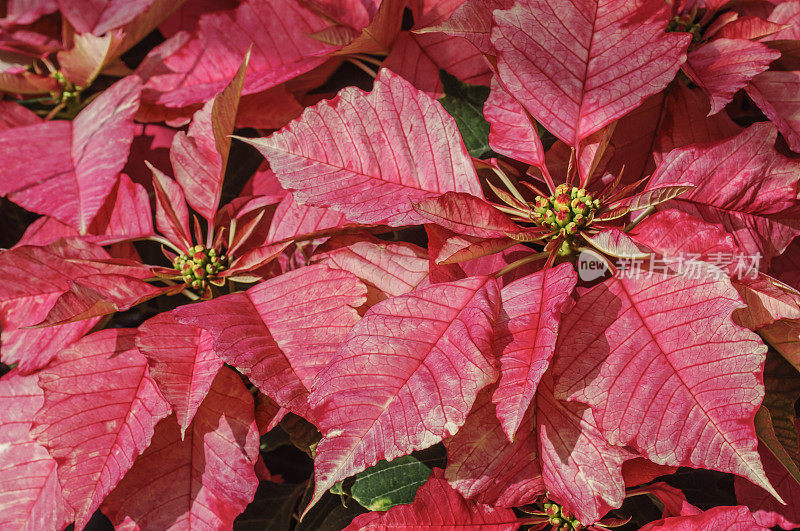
x=390, y=483
x=464, y=102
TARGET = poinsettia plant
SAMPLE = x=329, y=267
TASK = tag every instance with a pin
x=370, y=264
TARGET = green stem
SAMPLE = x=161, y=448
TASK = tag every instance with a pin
x=508, y=184
x=647, y=211
x=164, y=241
x=521, y=262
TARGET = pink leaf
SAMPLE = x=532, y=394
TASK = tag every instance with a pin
x=482, y=257
x=125, y=215
x=15, y=115
x=270, y=109
x=766, y=510
x=784, y=336
x=392, y=268
x=29, y=490
x=202, y=64
x=673, y=500
x=200, y=157
x=47, y=271
x=776, y=95
x=67, y=169
x=292, y=220
x=82, y=63
x=467, y=214
x=666, y=348
x=614, y=242
x=202, y=480
x=429, y=12
x=254, y=259
x=679, y=236
x=27, y=11
x=512, y=131
x=787, y=13
x=402, y=381
x=172, y=212
x=388, y=148
x=99, y=412
x=640, y=470
x=100, y=17
x=472, y=20
x=724, y=66
x=438, y=506
x=182, y=362
x=282, y=332
x=580, y=468
x=418, y=58
x=767, y=300
x=484, y=467
x=672, y=232
x=576, y=66
x=756, y=203
x=187, y=16
x=749, y=28
x=459, y=248
x=98, y=295
x=730, y=518
x=686, y=122
x=356, y=14
x=526, y=338
x=268, y=414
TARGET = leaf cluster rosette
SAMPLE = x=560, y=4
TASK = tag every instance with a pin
x=534, y=265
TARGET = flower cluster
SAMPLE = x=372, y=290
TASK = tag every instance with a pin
x=566, y=211
x=561, y=519
x=199, y=265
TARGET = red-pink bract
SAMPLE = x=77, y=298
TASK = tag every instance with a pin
x=757, y=203
x=438, y=505
x=67, y=169
x=204, y=62
x=202, y=479
x=100, y=17
x=730, y=518
x=766, y=510
x=100, y=409
x=182, y=362
x=292, y=220
x=483, y=466
x=467, y=214
x=667, y=348
x=29, y=490
x=576, y=73
x=48, y=271
x=401, y=380
x=471, y=20
x=419, y=57
x=391, y=268
x=774, y=94
x=525, y=339
x=724, y=66
x=282, y=332
x=512, y=131
x=389, y=148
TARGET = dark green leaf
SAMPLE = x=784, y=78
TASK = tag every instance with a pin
x=389, y=483
x=464, y=103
